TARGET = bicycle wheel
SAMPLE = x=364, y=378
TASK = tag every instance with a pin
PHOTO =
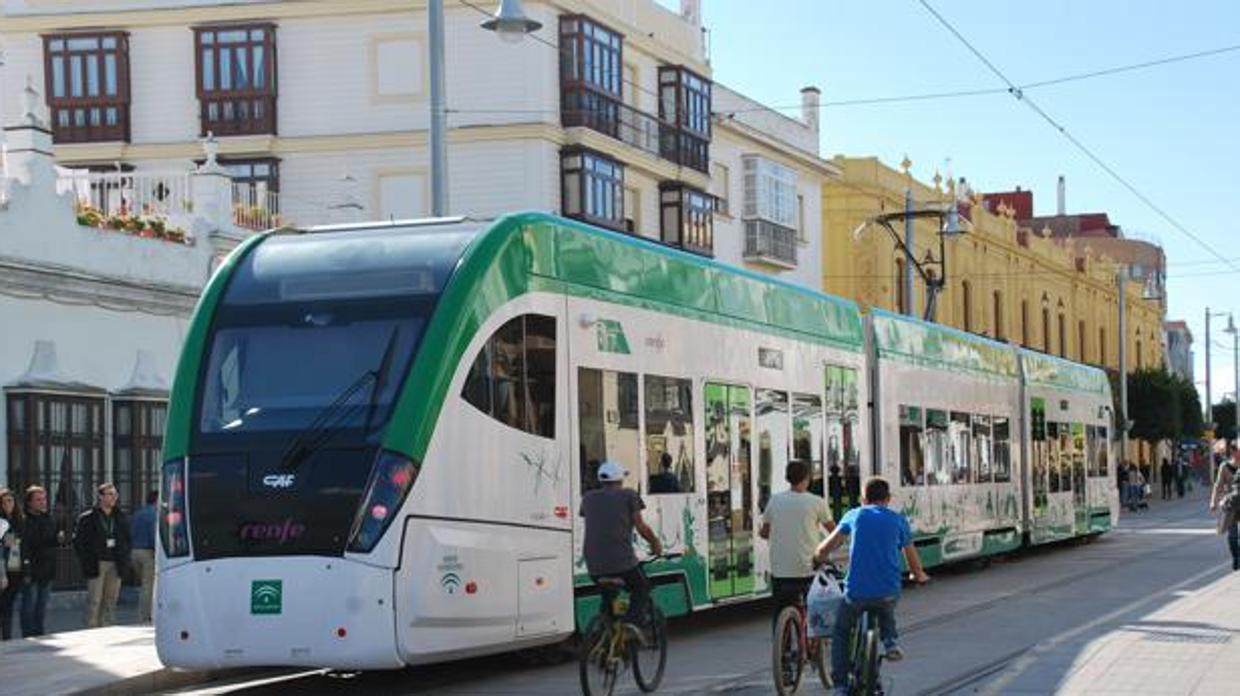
x=599, y=668
x=650, y=660
x=869, y=663
x=787, y=651
x=820, y=654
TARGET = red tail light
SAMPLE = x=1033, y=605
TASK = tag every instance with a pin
x=173, y=530
x=390, y=481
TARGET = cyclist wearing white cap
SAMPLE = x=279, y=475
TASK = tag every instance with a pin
x=612, y=512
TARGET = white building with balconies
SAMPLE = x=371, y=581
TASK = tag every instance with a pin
x=608, y=113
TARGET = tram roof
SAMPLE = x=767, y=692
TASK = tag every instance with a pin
x=1053, y=371
x=910, y=340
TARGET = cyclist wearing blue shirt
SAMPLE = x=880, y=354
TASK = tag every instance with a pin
x=877, y=537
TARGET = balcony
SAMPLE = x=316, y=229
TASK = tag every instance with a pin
x=582, y=106
x=766, y=242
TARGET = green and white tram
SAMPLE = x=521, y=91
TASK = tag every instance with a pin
x=379, y=434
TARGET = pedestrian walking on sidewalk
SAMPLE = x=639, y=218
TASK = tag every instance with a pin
x=1225, y=502
x=142, y=534
x=39, y=546
x=1165, y=474
x=10, y=560
x=1181, y=477
x=101, y=540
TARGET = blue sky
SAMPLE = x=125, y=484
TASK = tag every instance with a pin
x=1170, y=130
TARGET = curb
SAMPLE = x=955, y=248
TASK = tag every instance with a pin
x=167, y=678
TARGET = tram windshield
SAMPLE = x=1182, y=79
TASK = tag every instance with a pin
x=318, y=332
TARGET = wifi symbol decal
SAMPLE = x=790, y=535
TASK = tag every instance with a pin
x=450, y=582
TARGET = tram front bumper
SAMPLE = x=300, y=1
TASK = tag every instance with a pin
x=267, y=612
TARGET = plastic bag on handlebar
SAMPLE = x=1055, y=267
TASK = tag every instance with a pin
x=821, y=603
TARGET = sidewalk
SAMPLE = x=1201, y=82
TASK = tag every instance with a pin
x=1183, y=640
x=115, y=660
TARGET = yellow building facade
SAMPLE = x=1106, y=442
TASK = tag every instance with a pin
x=1002, y=280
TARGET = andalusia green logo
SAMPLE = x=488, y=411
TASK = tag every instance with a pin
x=266, y=596
x=611, y=338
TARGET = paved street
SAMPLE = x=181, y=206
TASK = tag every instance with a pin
x=1069, y=619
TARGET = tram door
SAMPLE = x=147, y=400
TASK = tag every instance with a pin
x=1080, y=495
x=729, y=490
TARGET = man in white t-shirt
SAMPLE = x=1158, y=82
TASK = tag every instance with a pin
x=793, y=523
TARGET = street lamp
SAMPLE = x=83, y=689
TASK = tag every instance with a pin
x=511, y=24
x=949, y=226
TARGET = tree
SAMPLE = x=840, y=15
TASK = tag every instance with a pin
x=1224, y=416
x=1191, y=426
x=1153, y=405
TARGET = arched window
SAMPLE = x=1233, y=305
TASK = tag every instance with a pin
x=966, y=305
x=1063, y=337
x=898, y=285
x=1024, y=323
x=1046, y=330
x=1000, y=332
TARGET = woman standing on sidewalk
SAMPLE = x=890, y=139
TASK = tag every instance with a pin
x=1226, y=494
x=10, y=555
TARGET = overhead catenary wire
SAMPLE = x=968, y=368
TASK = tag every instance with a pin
x=1019, y=94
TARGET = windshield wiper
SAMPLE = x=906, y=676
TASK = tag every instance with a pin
x=380, y=381
x=321, y=430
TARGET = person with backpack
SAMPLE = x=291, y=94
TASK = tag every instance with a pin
x=1225, y=502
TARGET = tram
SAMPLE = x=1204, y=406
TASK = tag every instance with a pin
x=379, y=434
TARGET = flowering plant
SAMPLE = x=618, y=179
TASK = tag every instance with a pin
x=146, y=223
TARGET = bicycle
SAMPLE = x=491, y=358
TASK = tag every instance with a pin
x=609, y=645
x=866, y=655
x=792, y=649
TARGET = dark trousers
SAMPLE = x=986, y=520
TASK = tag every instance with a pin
x=1233, y=543
x=788, y=592
x=8, y=600
x=34, y=607
x=639, y=593
x=846, y=617
x=1166, y=488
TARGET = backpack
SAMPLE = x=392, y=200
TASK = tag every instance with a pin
x=1231, y=500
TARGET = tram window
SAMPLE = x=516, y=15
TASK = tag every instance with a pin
x=1053, y=455
x=771, y=422
x=512, y=378
x=960, y=444
x=1104, y=452
x=669, y=435
x=835, y=423
x=1067, y=456
x=1091, y=450
x=1002, y=438
x=604, y=399
x=912, y=459
x=807, y=434
x=852, y=420
x=540, y=374
x=938, y=472
x=982, y=448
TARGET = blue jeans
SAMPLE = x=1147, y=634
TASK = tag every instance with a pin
x=34, y=607
x=846, y=616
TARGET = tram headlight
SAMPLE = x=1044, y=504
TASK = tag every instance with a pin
x=390, y=480
x=173, y=527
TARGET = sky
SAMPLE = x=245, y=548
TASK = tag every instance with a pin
x=1170, y=131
